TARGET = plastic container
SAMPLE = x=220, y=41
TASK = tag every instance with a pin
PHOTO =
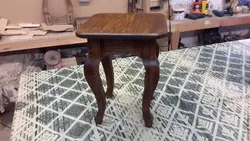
x=178, y=14
x=204, y=7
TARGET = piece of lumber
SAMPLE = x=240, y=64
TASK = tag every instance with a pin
x=3, y=24
x=146, y=6
x=67, y=62
x=57, y=28
x=28, y=25
x=14, y=32
x=29, y=35
x=175, y=38
x=21, y=37
x=38, y=32
x=13, y=27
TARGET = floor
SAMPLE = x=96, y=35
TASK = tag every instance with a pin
x=6, y=122
x=202, y=95
x=191, y=105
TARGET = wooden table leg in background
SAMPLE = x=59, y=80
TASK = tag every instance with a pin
x=175, y=38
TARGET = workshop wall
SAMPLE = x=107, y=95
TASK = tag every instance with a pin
x=17, y=11
x=31, y=10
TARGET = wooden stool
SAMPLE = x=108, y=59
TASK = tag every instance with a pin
x=110, y=34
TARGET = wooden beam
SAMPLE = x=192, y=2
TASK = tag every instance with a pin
x=175, y=38
x=3, y=24
x=146, y=6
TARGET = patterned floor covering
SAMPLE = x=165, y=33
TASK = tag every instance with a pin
x=202, y=95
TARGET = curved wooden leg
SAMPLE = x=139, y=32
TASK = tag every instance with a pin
x=157, y=50
x=108, y=69
x=151, y=80
x=92, y=75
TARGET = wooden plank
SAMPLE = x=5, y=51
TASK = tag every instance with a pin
x=3, y=24
x=41, y=43
x=14, y=32
x=38, y=32
x=28, y=25
x=175, y=38
x=146, y=6
x=21, y=37
x=13, y=27
x=57, y=27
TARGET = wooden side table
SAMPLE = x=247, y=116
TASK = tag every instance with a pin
x=112, y=33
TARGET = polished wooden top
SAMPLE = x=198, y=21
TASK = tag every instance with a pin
x=125, y=26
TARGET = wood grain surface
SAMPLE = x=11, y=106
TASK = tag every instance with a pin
x=50, y=40
x=125, y=26
x=110, y=34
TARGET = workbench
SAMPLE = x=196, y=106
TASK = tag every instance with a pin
x=69, y=38
x=50, y=40
x=185, y=25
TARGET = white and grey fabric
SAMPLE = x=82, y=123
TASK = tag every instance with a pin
x=11, y=68
x=202, y=95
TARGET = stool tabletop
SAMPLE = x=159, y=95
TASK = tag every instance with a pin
x=124, y=26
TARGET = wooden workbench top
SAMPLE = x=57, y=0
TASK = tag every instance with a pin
x=50, y=40
x=209, y=22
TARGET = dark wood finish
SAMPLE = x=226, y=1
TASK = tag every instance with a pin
x=125, y=26
x=149, y=57
x=108, y=70
x=91, y=72
x=110, y=34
